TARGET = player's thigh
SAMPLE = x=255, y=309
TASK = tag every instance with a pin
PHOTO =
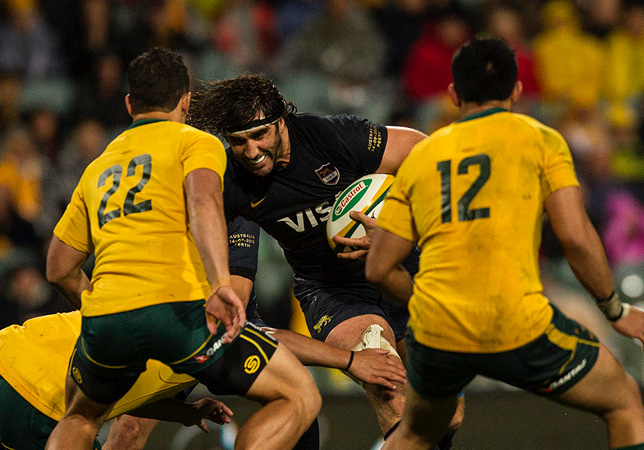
x=241, y=363
x=77, y=402
x=283, y=377
x=606, y=387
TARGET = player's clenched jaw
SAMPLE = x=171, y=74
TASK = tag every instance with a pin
x=261, y=150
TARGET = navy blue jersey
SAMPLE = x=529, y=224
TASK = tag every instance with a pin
x=243, y=246
x=328, y=153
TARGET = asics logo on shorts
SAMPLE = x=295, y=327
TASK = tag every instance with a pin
x=569, y=376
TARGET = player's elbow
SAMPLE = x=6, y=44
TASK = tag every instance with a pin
x=54, y=275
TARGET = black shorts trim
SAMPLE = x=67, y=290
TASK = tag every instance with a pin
x=237, y=369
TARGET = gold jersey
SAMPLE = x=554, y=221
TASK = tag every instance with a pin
x=472, y=195
x=129, y=208
x=34, y=358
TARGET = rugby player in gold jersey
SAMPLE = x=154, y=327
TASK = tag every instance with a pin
x=472, y=196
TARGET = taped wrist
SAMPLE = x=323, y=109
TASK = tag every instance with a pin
x=612, y=308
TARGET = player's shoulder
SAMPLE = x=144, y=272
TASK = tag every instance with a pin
x=542, y=132
x=325, y=124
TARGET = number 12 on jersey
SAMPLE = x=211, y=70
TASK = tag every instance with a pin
x=464, y=212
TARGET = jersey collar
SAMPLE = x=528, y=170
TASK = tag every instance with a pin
x=140, y=122
x=480, y=114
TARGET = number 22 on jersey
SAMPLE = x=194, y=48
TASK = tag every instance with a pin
x=129, y=206
x=464, y=212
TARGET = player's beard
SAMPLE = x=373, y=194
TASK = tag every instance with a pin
x=274, y=159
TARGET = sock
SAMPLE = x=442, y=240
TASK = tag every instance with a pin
x=391, y=430
x=310, y=440
x=632, y=447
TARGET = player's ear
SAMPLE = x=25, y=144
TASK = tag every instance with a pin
x=128, y=105
x=453, y=95
x=516, y=92
x=185, y=102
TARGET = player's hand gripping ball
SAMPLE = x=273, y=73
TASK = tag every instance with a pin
x=365, y=195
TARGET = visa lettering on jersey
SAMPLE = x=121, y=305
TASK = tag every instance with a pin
x=309, y=218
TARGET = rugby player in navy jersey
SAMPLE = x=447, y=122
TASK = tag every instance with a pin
x=284, y=172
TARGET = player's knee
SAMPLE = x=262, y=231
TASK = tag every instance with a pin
x=127, y=428
x=308, y=399
x=633, y=395
x=372, y=337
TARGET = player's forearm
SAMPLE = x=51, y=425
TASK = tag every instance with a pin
x=208, y=223
x=587, y=260
x=396, y=283
x=210, y=234
x=311, y=352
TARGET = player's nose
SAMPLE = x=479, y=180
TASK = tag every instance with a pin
x=251, y=150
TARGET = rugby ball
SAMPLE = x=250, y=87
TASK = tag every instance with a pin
x=366, y=195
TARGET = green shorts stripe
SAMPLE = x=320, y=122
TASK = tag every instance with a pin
x=192, y=355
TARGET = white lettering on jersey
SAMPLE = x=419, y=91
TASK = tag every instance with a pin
x=315, y=216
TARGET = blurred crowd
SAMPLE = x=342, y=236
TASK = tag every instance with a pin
x=62, y=88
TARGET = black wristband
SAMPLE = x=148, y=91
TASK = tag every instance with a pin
x=350, y=361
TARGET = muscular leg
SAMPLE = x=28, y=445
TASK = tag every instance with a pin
x=81, y=423
x=424, y=422
x=291, y=402
x=608, y=391
x=129, y=432
x=388, y=404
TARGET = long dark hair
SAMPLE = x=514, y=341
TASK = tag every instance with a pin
x=227, y=105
